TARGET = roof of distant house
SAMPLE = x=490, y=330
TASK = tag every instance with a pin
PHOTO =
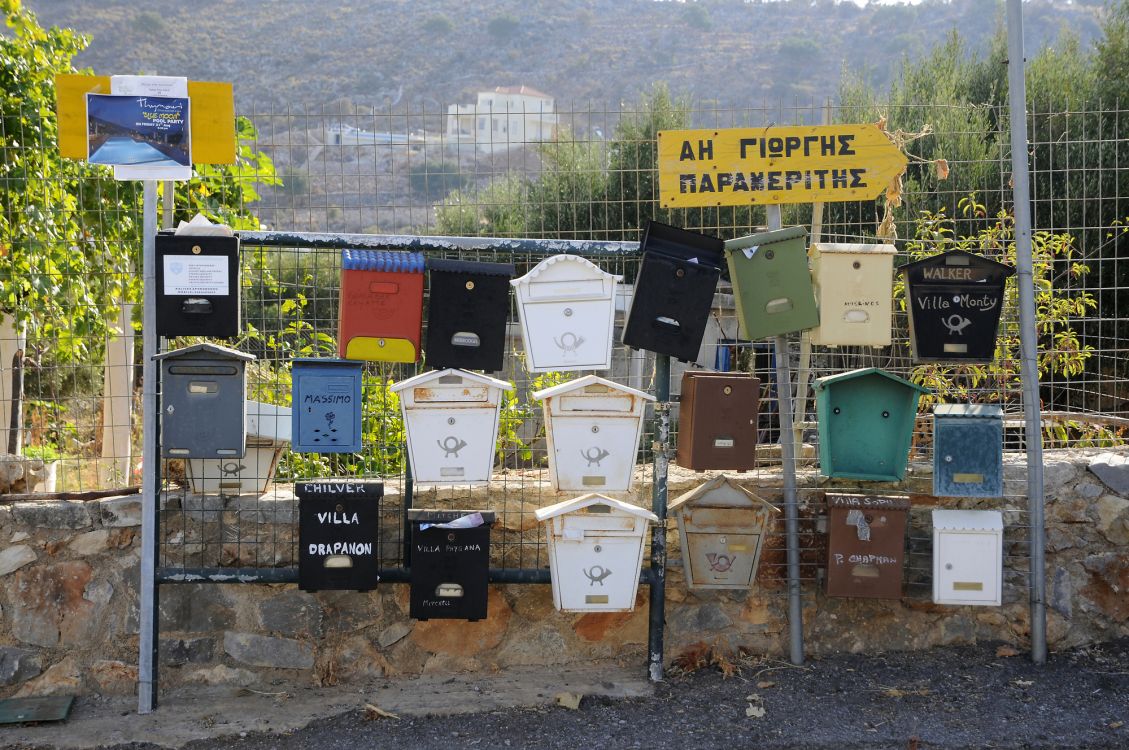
x=523, y=90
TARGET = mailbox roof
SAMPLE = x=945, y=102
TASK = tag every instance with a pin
x=974, y=259
x=382, y=260
x=853, y=248
x=987, y=411
x=721, y=491
x=765, y=238
x=968, y=520
x=470, y=266
x=427, y=377
x=568, y=506
x=585, y=381
x=866, y=372
x=212, y=350
x=676, y=242
x=582, y=265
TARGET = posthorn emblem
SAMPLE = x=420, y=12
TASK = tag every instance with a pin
x=568, y=342
x=597, y=574
x=451, y=446
x=720, y=563
x=594, y=455
x=956, y=323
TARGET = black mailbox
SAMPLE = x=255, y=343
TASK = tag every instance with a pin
x=450, y=567
x=197, y=285
x=673, y=291
x=954, y=301
x=466, y=315
x=338, y=531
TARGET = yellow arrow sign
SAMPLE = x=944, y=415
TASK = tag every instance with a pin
x=802, y=164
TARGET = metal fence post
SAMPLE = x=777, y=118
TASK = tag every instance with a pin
x=657, y=611
x=150, y=476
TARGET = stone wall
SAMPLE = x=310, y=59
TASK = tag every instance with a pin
x=68, y=593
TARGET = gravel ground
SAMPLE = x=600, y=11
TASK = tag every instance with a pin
x=966, y=697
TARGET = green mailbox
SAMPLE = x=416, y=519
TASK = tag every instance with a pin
x=771, y=282
x=866, y=420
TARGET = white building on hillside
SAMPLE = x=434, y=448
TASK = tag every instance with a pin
x=505, y=118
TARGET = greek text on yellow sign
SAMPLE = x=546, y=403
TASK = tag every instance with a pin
x=803, y=164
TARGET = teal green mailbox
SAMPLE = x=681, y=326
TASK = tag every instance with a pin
x=866, y=422
x=771, y=282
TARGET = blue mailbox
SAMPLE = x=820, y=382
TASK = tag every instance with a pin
x=327, y=406
x=968, y=450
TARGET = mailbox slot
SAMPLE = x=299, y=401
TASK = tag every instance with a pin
x=449, y=567
x=968, y=557
x=197, y=282
x=866, y=545
x=203, y=392
x=854, y=291
x=717, y=425
x=467, y=310
x=326, y=399
x=968, y=450
x=338, y=535
x=771, y=283
x=380, y=316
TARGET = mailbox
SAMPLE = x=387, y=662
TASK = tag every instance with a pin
x=466, y=315
x=968, y=555
x=854, y=290
x=722, y=527
x=968, y=450
x=717, y=420
x=197, y=285
x=595, y=552
x=326, y=403
x=450, y=565
x=673, y=291
x=203, y=389
x=381, y=310
x=866, y=420
x=866, y=544
x=566, y=305
x=451, y=419
x=771, y=283
x=954, y=302
x=268, y=433
x=338, y=534
x=592, y=427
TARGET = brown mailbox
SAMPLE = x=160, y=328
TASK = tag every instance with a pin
x=866, y=545
x=717, y=425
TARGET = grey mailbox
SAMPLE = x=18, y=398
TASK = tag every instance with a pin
x=203, y=390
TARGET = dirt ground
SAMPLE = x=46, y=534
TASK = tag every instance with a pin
x=982, y=696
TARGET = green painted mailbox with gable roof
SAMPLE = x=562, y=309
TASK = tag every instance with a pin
x=771, y=282
x=866, y=420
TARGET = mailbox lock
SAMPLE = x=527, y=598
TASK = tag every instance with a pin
x=885, y=415
x=948, y=459
x=450, y=420
x=340, y=508
x=451, y=536
x=680, y=273
x=721, y=540
x=856, y=265
x=597, y=548
x=196, y=250
x=595, y=428
x=170, y=409
x=470, y=285
x=836, y=410
x=770, y=254
x=727, y=390
x=948, y=566
x=380, y=342
x=568, y=312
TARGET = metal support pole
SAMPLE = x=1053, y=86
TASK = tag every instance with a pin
x=150, y=476
x=1033, y=429
x=788, y=472
x=657, y=609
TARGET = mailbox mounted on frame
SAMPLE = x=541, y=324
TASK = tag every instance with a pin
x=203, y=392
x=380, y=317
x=968, y=450
x=866, y=544
x=338, y=535
x=326, y=411
x=197, y=285
x=771, y=282
x=468, y=305
x=854, y=288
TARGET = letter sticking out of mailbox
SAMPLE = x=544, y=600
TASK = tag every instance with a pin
x=674, y=291
x=866, y=420
x=380, y=318
x=566, y=305
x=771, y=282
x=955, y=299
x=326, y=412
x=968, y=450
x=854, y=290
x=203, y=392
x=866, y=543
x=592, y=427
x=197, y=285
x=338, y=535
x=968, y=557
x=466, y=314
x=722, y=527
x=451, y=418
x=595, y=552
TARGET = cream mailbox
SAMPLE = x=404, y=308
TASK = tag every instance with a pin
x=451, y=418
x=968, y=557
x=722, y=527
x=203, y=390
x=592, y=426
x=268, y=433
x=595, y=552
x=854, y=289
x=567, y=309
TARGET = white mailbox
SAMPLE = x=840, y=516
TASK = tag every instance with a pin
x=268, y=433
x=451, y=420
x=595, y=552
x=592, y=426
x=968, y=552
x=854, y=291
x=567, y=309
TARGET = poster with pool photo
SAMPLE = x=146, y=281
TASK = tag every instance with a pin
x=139, y=131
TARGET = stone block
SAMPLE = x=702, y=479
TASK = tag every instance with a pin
x=55, y=605
x=293, y=613
x=221, y=674
x=711, y=616
x=458, y=637
x=15, y=557
x=1062, y=593
x=267, y=651
x=266, y=509
x=1113, y=470
x=195, y=608
x=61, y=678
x=90, y=543
x=203, y=508
x=52, y=514
x=177, y=652
x=1113, y=519
x=393, y=633
x=350, y=611
x=116, y=512
x=1109, y=580
x=111, y=677
x=17, y=665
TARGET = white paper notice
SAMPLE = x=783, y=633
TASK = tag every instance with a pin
x=195, y=276
x=168, y=86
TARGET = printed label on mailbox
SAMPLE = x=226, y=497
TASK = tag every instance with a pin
x=192, y=275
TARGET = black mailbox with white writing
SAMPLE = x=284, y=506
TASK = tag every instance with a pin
x=466, y=314
x=197, y=285
x=954, y=301
x=338, y=534
x=450, y=564
x=673, y=291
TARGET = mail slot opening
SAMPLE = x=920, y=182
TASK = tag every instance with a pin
x=202, y=370
x=449, y=590
x=195, y=306
x=338, y=561
x=450, y=380
x=779, y=305
x=594, y=481
x=668, y=322
x=599, y=508
x=865, y=571
x=596, y=599
x=968, y=586
x=465, y=338
x=198, y=386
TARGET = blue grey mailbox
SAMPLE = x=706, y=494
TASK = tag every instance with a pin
x=968, y=450
x=203, y=391
x=326, y=409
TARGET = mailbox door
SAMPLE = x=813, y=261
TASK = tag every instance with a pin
x=718, y=421
x=338, y=538
x=568, y=335
x=202, y=404
x=381, y=306
x=597, y=573
x=722, y=560
x=326, y=410
x=771, y=283
x=453, y=445
x=954, y=322
x=670, y=307
x=593, y=452
x=467, y=311
x=967, y=457
x=449, y=573
x=967, y=568
x=866, y=552
x=855, y=293
x=865, y=432
x=197, y=285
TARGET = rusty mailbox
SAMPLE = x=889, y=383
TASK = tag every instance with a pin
x=722, y=527
x=866, y=542
x=717, y=422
